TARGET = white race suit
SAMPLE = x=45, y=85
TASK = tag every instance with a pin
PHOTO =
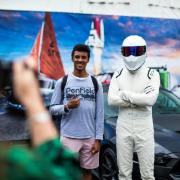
x=135, y=95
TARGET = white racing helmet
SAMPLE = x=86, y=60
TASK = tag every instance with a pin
x=133, y=51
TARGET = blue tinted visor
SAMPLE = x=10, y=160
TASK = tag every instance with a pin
x=133, y=50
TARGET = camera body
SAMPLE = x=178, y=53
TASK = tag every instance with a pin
x=5, y=74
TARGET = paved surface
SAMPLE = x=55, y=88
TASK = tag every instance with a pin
x=13, y=127
x=12, y=124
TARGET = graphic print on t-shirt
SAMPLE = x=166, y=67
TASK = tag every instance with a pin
x=84, y=93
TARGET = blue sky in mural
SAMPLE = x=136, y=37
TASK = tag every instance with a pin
x=19, y=29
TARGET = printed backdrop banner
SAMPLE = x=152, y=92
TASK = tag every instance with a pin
x=103, y=33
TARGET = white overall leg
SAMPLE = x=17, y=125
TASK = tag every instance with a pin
x=144, y=145
x=124, y=145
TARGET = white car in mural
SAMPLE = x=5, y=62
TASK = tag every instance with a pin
x=46, y=89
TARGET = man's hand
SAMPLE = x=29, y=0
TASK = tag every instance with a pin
x=73, y=103
x=96, y=147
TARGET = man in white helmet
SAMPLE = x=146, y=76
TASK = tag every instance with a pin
x=134, y=89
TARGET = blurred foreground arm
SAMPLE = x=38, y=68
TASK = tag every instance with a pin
x=48, y=159
x=26, y=90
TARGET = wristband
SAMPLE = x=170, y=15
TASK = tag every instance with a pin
x=40, y=117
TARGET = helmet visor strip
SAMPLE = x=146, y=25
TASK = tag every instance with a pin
x=133, y=50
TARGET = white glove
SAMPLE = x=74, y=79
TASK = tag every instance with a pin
x=125, y=97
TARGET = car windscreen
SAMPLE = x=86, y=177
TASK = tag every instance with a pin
x=167, y=102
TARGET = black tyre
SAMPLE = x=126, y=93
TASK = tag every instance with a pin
x=108, y=165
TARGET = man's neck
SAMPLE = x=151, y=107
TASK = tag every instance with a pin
x=80, y=74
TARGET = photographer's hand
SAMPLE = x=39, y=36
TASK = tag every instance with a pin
x=26, y=89
x=25, y=83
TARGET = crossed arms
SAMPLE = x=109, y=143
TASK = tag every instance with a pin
x=123, y=98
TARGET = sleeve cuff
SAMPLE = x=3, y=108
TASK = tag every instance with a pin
x=99, y=137
x=66, y=109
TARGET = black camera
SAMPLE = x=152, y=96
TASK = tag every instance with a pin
x=5, y=74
